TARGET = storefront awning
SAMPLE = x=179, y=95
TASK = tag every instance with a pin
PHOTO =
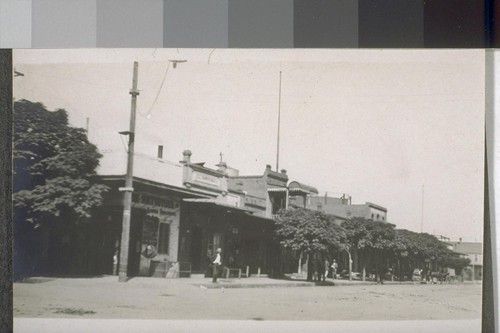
x=296, y=187
x=277, y=189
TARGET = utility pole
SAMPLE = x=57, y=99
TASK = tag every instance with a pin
x=128, y=189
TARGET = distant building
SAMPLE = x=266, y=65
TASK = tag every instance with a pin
x=443, y=239
x=264, y=194
x=343, y=208
x=474, y=252
x=269, y=193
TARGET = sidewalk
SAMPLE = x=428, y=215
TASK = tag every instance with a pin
x=201, y=282
x=205, y=283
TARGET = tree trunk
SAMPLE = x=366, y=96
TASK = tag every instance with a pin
x=363, y=272
x=300, y=264
x=309, y=267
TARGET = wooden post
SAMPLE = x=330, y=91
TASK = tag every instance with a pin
x=128, y=189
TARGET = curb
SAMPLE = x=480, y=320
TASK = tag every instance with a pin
x=278, y=285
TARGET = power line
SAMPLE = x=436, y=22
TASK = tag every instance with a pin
x=148, y=114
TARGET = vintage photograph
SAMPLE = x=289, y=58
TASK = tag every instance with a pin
x=248, y=184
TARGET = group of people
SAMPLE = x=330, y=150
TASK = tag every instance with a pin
x=323, y=269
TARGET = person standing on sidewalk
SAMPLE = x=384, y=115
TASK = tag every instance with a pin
x=215, y=265
x=334, y=269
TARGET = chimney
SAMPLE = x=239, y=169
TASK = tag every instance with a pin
x=160, y=151
x=186, y=156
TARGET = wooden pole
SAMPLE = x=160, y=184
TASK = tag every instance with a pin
x=128, y=189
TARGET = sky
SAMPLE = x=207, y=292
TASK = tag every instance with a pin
x=400, y=128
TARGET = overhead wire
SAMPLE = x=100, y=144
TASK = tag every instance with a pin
x=149, y=112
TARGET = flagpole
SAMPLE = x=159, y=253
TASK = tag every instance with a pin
x=279, y=123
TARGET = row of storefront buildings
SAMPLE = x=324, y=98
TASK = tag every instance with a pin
x=182, y=212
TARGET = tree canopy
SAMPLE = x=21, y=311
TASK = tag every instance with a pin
x=378, y=242
x=54, y=165
x=308, y=231
x=366, y=234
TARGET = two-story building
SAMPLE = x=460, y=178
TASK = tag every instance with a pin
x=269, y=193
x=233, y=220
x=181, y=213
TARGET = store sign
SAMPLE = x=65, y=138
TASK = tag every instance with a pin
x=150, y=231
x=204, y=178
x=155, y=210
x=148, y=200
x=155, y=206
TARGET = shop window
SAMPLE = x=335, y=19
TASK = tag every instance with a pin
x=164, y=238
x=278, y=204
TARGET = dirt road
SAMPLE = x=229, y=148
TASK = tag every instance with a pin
x=149, y=298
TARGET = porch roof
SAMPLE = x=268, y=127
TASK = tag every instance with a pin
x=212, y=202
x=277, y=189
x=302, y=188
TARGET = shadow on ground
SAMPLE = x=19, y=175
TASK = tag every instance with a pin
x=47, y=278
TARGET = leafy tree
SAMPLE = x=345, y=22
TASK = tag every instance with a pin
x=416, y=250
x=453, y=260
x=54, y=165
x=375, y=241
x=54, y=178
x=307, y=231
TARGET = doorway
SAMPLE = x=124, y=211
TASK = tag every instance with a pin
x=196, y=248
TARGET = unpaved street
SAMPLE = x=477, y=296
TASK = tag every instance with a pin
x=149, y=298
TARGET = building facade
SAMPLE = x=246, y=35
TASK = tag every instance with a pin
x=474, y=252
x=182, y=212
x=343, y=208
x=177, y=224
